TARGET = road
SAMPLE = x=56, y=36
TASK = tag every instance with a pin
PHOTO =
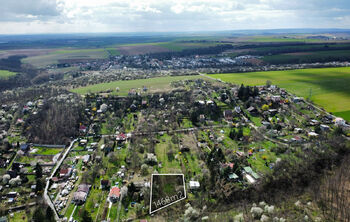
x=58, y=165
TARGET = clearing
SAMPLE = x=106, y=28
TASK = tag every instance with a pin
x=152, y=84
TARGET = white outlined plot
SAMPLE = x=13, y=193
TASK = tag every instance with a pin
x=166, y=189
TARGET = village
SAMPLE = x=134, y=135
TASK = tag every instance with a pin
x=207, y=130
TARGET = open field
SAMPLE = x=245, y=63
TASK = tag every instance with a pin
x=141, y=49
x=308, y=57
x=156, y=47
x=4, y=74
x=71, y=54
x=153, y=85
x=25, y=52
x=280, y=39
x=329, y=87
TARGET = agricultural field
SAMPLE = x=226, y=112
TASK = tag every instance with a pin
x=65, y=55
x=5, y=74
x=307, y=57
x=157, y=47
x=279, y=39
x=153, y=85
x=327, y=87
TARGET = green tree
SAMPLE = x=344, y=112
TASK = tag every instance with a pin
x=39, y=186
x=38, y=171
x=240, y=133
x=50, y=217
x=85, y=216
x=38, y=215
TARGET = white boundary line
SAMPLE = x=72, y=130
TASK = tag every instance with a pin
x=167, y=174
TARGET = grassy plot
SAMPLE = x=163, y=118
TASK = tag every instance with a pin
x=153, y=85
x=5, y=74
x=328, y=87
x=47, y=151
x=161, y=149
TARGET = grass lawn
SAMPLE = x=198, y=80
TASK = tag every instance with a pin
x=19, y=216
x=47, y=151
x=329, y=87
x=5, y=74
x=161, y=150
x=153, y=85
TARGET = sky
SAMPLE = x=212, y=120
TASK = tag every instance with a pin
x=89, y=16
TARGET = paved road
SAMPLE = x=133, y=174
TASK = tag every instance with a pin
x=59, y=163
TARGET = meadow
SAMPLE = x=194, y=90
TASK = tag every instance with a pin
x=153, y=85
x=326, y=87
x=5, y=74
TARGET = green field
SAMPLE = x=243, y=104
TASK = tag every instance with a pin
x=329, y=87
x=54, y=57
x=153, y=85
x=308, y=57
x=5, y=74
x=280, y=39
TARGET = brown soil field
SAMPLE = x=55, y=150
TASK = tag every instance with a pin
x=141, y=49
x=26, y=52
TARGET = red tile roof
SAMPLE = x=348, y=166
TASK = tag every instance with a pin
x=115, y=191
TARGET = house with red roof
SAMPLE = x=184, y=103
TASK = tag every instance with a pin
x=114, y=194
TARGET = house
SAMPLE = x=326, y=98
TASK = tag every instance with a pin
x=228, y=115
x=324, y=128
x=82, y=129
x=296, y=139
x=120, y=137
x=12, y=195
x=238, y=109
x=226, y=165
x=339, y=121
x=249, y=171
x=86, y=158
x=276, y=98
x=105, y=184
x=297, y=99
x=151, y=159
x=233, y=176
x=252, y=110
x=194, y=185
x=114, y=194
x=83, y=142
x=65, y=172
x=79, y=197
x=314, y=122
x=249, y=178
x=83, y=188
x=298, y=130
x=81, y=194
x=139, y=185
x=312, y=134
